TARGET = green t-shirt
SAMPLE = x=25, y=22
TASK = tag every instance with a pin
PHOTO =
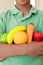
x=13, y=18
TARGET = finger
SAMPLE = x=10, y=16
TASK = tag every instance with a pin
x=1, y=59
x=41, y=54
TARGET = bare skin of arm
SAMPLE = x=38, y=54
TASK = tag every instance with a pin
x=32, y=49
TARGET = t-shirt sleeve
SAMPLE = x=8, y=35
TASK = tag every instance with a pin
x=42, y=21
x=2, y=23
x=40, y=24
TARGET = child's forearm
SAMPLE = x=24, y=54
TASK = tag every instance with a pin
x=11, y=50
x=32, y=49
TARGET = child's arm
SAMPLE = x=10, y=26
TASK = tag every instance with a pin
x=33, y=49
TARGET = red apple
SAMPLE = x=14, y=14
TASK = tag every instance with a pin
x=37, y=36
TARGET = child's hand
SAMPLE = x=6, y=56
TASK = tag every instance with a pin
x=35, y=49
x=1, y=59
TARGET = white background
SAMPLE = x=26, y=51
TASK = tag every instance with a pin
x=33, y=2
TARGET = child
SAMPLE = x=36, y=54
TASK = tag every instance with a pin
x=28, y=54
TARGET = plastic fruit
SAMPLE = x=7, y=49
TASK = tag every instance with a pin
x=3, y=38
x=37, y=36
x=13, y=31
x=20, y=37
x=30, y=30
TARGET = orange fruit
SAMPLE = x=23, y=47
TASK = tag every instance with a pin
x=20, y=37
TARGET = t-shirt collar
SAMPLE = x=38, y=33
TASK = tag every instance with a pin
x=14, y=10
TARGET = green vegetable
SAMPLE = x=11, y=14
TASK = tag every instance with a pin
x=3, y=38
